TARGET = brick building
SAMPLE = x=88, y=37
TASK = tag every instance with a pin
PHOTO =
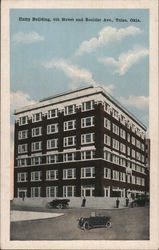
x=79, y=143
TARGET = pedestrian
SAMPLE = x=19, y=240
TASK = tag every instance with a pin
x=117, y=202
x=127, y=202
x=83, y=202
x=23, y=196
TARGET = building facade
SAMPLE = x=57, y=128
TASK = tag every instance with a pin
x=80, y=143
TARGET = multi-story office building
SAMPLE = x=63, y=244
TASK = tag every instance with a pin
x=79, y=143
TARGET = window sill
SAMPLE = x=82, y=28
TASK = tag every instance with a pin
x=35, y=180
x=92, y=177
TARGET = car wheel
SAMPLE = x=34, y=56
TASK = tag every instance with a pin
x=108, y=224
x=86, y=225
x=48, y=205
x=59, y=206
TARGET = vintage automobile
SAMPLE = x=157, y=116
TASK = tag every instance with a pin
x=59, y=203
x=140, y=201
x=94, y=221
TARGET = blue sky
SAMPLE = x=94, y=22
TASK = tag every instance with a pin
x=47, y=58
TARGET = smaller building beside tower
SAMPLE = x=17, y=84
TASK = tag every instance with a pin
x=82, y=143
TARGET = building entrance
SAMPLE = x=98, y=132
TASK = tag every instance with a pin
x=22, y=193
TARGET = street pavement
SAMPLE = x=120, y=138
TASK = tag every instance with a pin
x=127, y=224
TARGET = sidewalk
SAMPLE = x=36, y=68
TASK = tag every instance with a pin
x=29, y=215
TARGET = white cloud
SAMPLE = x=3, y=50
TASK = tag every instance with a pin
x=79, y=76
x=27, y=38
x=139, y=102
x=125, y=60
x=75, y=73
x=19, y=99
x=105, y=36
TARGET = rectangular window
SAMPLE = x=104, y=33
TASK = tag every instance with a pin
x=36, y=117
x=69, y=110
x=115, y=129
x=122, y=133
x=51, y=175
x=51, y=159
x=89, y=154
x=115, y=175
x=128, y=151
x=122, y=119
x=36, y=131
x=36, y=146
x=70, y=125
x=107, y=108
x=107, y=140
x=88, y=172
x=138, y=180
x=128, y=137
x=53, y=143
x=87, y=138
x=107, y=155
x=52, y=128
x=23, y=134
x=115, y=159
x=142, y=182
x=137, y=168
x=107, y=123
x=69, y=191
x=133, y=129
x=87, y=105
x=69, y=173
x=128, y=178
x=35, y=192
x=52, y=191
x=143, y=158
x=115, y=144
x=107, y=173
x=23, y=148
x=133, y=179
x=122, y=148
x=122, y=162
x=115, y=114
x=87, y=122
x=128, y=124
x=22, y=177
x=69, y=141
x=138, y=144
x=133, y=166
x=122, y=177
x=52, y=113
x=142, y=147
x=133, y=140
x=138, y=156
x=23, y=120
x=133, y=153
x=36, y=160
x=107, y=191
x=69, y=157
x=36, y=176
x=22, y=162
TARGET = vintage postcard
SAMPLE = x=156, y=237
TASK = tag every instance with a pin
x=79, y=125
